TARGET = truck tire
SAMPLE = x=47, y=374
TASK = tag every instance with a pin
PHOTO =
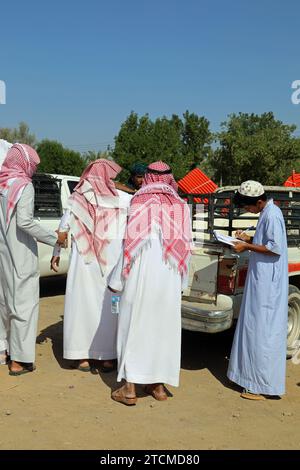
x=293, y=330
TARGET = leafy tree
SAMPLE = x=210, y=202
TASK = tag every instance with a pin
x=255, y=147
x=57, y=159
x=133, y=141
x=196, y=138
x=20, y=134
x=167, y=146
x=180, y=143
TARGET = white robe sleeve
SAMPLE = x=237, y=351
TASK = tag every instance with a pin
x=64, y=226
x=116, y=281
x=26, y=222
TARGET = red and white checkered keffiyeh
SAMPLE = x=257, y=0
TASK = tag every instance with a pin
x=16, y=172
x=94, y=207
x=157, y=203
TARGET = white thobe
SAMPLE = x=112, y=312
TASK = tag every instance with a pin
x=258, y=355
x=19, y=275
x=3, y=315
x=149, y=327
x=89, y=324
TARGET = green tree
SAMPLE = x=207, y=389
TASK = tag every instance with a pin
x=133, y=141
x=20, y=134
x=60, y=160
x=257, y=147
x=197, y=138
x=166, y=145
x=180, y=143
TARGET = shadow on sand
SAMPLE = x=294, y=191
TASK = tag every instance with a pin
x=199, y=350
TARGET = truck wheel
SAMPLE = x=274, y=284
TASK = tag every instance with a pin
x=293, y=330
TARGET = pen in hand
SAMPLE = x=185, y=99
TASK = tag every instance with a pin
x=248, y=229
x=239, y=233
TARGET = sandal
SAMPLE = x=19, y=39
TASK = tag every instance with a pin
x=25, y=370
x=251, y=396
x=118, y=396
x=150, y=390
x=84, y=369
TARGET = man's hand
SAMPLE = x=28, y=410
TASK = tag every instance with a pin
x=54, y=263
x=239, y=247
x=242, y=236
x=62, y=238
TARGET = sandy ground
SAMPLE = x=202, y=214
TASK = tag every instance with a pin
x=60, y=408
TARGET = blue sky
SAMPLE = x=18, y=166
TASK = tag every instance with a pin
x=75, y=69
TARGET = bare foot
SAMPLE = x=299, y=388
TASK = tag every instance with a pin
x=84, y=363
x=16, y=366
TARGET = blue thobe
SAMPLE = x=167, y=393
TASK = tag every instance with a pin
x=258, y=355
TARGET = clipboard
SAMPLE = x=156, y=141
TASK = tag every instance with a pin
x=227, y=239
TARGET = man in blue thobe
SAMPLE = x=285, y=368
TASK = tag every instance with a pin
x=258, y=355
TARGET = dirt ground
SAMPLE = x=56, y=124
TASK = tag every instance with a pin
x=57, y=407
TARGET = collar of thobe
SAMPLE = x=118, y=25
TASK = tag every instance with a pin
x=261, y=215
x=269, y=202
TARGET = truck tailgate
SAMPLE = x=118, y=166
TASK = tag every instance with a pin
x=203, y=274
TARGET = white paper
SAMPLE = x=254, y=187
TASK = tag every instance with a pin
x=226, y=238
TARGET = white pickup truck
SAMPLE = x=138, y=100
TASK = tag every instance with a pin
x=217, y=275
x=51, y=195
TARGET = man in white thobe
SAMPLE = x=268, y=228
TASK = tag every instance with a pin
x=4, y=148
x=258, y=355
x=89, y=325
x=155, y=264
x=19, y=257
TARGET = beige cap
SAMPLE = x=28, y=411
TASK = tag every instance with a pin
x=251, y=188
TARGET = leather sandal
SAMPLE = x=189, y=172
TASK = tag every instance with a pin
x=251, y=396
x=150, y=390
x=25, y=370
x=118, y=396
x=84, y=368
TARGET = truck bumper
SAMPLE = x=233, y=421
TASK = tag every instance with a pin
x=208, y=318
